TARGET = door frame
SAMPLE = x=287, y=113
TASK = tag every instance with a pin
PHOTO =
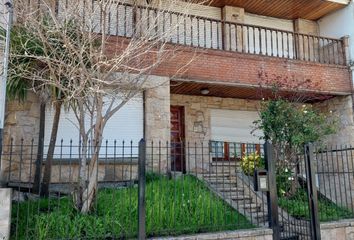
x=181, y=109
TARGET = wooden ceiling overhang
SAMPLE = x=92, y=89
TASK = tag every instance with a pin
x=249, y=92
x=286, y=9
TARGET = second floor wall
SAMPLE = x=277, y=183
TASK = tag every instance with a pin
x=232, y=45
x=226, y=28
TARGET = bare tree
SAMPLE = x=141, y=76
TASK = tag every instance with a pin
x=95, y=72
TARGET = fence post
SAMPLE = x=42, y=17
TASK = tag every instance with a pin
x=272, y=198
x=141, y=191
x=312, y=192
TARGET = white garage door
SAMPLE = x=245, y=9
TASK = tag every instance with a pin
x=234, y=126
x=126, y=124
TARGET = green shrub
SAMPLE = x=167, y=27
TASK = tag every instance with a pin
x=284, y=178
x=251, y=162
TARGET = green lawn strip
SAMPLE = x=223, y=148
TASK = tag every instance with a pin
x=173, y=207
x=297, y=206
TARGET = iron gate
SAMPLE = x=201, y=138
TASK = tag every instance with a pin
x=296, y=216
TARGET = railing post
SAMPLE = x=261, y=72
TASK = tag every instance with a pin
x=272, y=198
x=141, y=190
x=345, y=47
x=312, y=192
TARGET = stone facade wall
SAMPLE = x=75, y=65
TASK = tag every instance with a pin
x=343, y=230
x=197, y=124
x=157, y=122
x=69, y=172
x=257, y=234
x=157, y=109
x=341, y=107
x=335, y=179
x=197, y=112
x=21, y=123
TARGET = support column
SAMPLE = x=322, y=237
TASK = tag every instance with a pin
x=346, y=51
x=157, y=122
x=307, y=47
x=232, y=35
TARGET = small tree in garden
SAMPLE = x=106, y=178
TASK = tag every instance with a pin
x=289, y=124
x=94, y=72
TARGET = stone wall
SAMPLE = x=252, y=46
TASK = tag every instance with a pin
x=341, y=107
x=157, y=109
x=157, y=122
x=343, y=230
x=197, y=124
x=335, y=168
x=21, y=124
x=197, y=112
x=68, y=171
x=256, y=234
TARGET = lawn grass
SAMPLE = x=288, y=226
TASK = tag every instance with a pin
x=173, y=207
x=297, y=206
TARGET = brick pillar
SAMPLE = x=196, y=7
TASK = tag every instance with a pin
x=307, y=48
x=232, y=15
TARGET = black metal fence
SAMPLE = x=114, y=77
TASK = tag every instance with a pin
x=334, y=176
x=189, y=188
x=176, y=188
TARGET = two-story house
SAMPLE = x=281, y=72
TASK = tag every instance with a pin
x=216, y=98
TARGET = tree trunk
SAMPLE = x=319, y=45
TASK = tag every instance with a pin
x=83, y=160
x=39, y=159
x=53, y=138
x=89, y=193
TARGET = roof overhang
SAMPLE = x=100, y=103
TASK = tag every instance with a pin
x=286, y=9
x=251, y=92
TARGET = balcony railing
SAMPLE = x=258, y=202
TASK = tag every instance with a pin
x=126, y=20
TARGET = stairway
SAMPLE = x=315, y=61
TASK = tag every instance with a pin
x=227, y=181
x=224, y=179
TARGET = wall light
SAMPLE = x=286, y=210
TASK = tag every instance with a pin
x=204, y=91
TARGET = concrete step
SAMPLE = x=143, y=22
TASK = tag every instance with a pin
x=260, y=216
x=254, y=206
x=229, y=190
x=217, y=170
x=225, y=163
x=254, y=211
x=213, y=175
x=217, y=180
x=239, y=198
x=221, y=181
x=224, y=186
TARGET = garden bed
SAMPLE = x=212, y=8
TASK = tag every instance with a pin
x=298, y=207
x=173, y=207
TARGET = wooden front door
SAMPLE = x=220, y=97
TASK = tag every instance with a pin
x=177, y=139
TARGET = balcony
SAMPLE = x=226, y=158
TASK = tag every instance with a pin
x=229, y=54
x=125, y=20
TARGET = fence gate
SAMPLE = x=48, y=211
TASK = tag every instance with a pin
x=292, y=197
